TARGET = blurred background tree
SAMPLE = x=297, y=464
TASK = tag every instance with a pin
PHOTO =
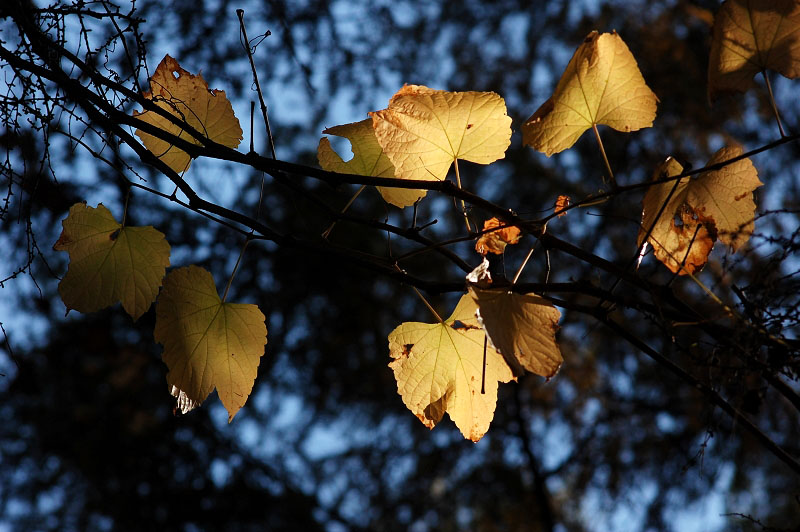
x=614, y=442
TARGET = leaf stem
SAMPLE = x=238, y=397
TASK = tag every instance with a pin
x=125, y=208
x=605, y=158
x=772, y=103
x=430, y=307
x=463, y=205
x=350, y=202
x=236, y=266
x=522, y=266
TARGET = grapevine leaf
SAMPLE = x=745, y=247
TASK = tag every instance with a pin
x=188, y=97
x=109, y=262
x=522, y=327
x=438, y=368
x=423, y=131
x=368, y=159
x=751, y=36
x=207, y=343
x=717, y=204
x=602, y=84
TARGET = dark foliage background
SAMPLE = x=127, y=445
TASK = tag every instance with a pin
x=88, y=440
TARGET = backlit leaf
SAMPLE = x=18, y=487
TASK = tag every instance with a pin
x=497, y=240
x=188, y=97
x=423, y=131
x=368, y=159
x=207, y=343
x=751, y=36
x=109, y=262
x=439, y=366
x=522, y=327
x=602, y=84
x=715, y=205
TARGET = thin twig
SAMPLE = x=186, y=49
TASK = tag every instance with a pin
x=240, y=14
x=772, y=103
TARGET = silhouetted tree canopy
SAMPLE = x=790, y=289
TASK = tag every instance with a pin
x=669, y=413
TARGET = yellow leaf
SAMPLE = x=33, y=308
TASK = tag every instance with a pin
x=438, y=368
x=522, y=327
x=715, y=205
x=751, y=36
x=187, y=97
x=601, y=85
x=109, y=262
x=368, y=159
x=207, y=343
x=423, y=131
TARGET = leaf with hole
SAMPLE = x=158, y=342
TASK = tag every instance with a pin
x=368, y=159
x=188, y=98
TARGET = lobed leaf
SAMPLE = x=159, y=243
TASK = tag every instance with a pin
x=751, y=36
x=207, y=343
x=602, y=84
x=423, y=131
x=188, y=97
x=717, y=204
x=368, y=159
x=109, y=262
x=439, y=367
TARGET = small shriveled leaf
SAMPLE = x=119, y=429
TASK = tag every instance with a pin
x=423, y=131
x=751, y=36
x=188, y=98
x=522, y=327
x=109, y=262
x=368, y=159
x=207, y=343
x=497, y=240
x=438, y=368
x=715, y=205
x=602, y=84
x=562, y=202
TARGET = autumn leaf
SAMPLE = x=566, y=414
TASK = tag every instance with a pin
x=562, y=202
x=109, y=262
x=424, y=131
x=602, y=84
x=521, y=327
x=496, y=241
x=207, y=343
x=188, y=98
x=439, y=366
x=368, y=159
x=751, y=36
x=716, y=205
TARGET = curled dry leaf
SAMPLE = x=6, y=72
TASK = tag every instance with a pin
x=521, y=327
x=109, y=262
x=602, y=84
x=439, y=367
x=694, y=213
x=562, y=202
x=423, y=131
x=751, y=36
x=207, y=343
x=188, y=97
x=368, y=159
x=496, y=241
